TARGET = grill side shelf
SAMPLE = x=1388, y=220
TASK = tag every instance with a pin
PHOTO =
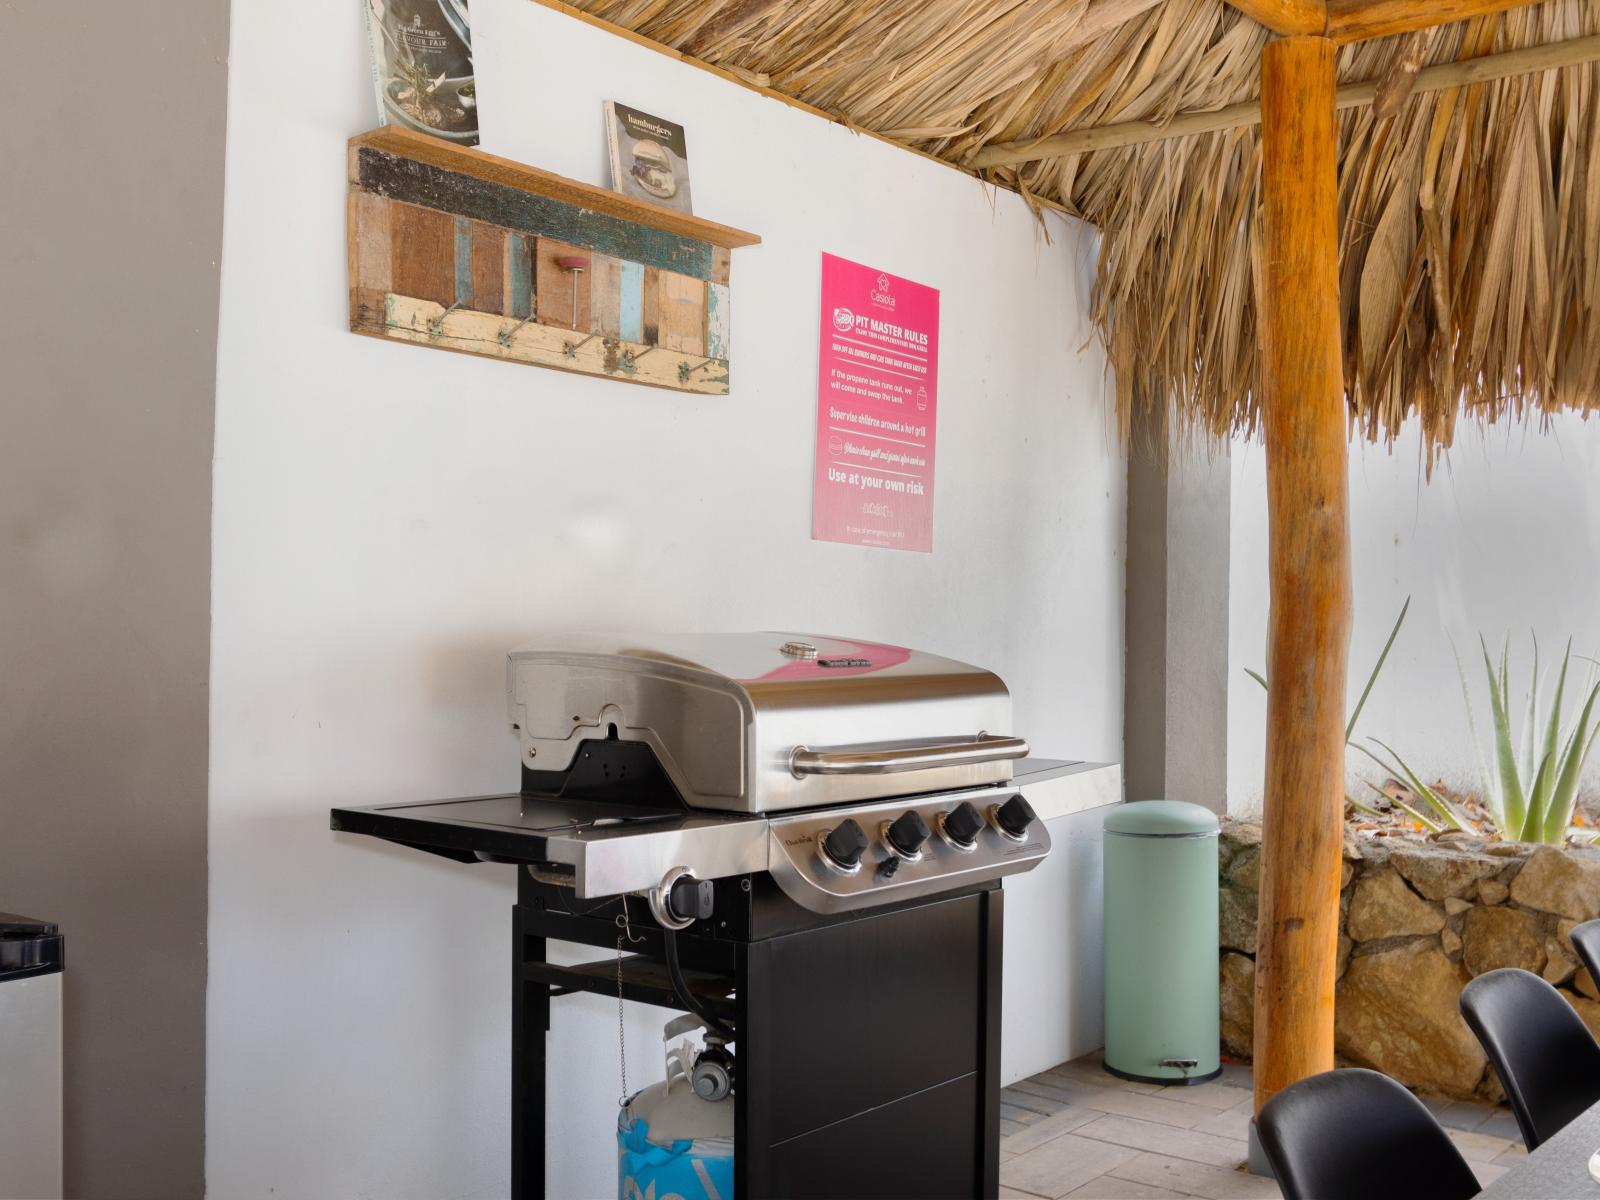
x=608, y=850
x=462, y=841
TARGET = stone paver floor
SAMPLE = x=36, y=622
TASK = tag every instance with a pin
x=1077, y=1131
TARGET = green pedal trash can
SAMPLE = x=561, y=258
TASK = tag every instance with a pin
x=1162, y=1019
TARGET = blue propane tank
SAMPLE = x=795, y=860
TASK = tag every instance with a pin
x=671, y=1144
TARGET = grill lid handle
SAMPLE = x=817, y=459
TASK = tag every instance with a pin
x=965, y=753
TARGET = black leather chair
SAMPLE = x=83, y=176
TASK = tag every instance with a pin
x=1586, y=941
x=1546, y=1058
x=1359, y=1135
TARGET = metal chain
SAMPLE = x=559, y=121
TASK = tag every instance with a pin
x=622, y=1037
x=623, y=930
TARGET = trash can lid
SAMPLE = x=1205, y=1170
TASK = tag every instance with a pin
x=12, y=925
x=28, y=947
x=1162, y=818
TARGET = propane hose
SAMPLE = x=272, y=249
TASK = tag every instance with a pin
x=680, y=985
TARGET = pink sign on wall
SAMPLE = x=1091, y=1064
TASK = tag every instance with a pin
x=877, y=392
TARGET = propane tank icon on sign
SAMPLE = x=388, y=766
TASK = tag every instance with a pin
x=675, y=1138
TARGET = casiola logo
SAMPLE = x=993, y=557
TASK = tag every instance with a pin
x=843, y=319
x=883, y=296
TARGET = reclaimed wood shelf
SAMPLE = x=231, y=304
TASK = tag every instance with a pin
x=461, y=250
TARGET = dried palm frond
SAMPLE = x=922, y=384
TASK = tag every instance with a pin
x=1469, y=218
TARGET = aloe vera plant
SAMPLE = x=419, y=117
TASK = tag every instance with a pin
x=1532, y=795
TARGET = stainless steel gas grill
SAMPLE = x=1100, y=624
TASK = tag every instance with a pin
x=802, y=838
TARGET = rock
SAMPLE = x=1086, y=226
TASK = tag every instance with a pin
x=1345, y=946
x=1347, y=872
x=1352, y=846
x=1396, y=1012
x=1556, y=881
x=1437, y=872
x=1587, y=1009
x=1507, y=849
x=1245, y=871
x=1584, y=983
x=1236, y=915
x=1559, y=965
x=1501, y=937
x=1238, y=1004
x=1374, y=854
x=1450, y=942
x=1383, y=906
x=1454, y=906
x=1241, y=835
x=1492, y=891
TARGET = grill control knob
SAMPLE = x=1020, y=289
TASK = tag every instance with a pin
x=844, y=845
x=906, y=833
x=1013, y=817
x=962, y=824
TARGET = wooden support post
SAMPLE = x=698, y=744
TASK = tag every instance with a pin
x=1309, y=552
x=1286, y=16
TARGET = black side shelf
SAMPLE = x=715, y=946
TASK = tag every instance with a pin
x=643, y=981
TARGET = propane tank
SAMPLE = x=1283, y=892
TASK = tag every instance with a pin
x=675, y=1138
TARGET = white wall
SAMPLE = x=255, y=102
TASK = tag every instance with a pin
x=390, y=520
x=1505, y=538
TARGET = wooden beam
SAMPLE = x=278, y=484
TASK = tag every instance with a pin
x=1353, y=95
x=1304, y=422
x=1288, y=17
x=1358, y=20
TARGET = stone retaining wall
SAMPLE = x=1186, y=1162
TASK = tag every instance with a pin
x=1417, y=920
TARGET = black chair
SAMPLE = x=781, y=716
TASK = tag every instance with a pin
x=1359, y=1135
x=1586, y=941
x=1545, y=1056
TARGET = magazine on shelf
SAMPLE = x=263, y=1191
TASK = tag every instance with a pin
x=422, y=67
x=649, y=159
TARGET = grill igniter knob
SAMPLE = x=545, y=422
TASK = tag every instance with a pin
x=1013, y=817
x=905, y=835
x=843, y=846
x=961, y=826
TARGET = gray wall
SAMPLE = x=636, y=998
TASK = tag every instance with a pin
x=110, y=231
x=1175, y=699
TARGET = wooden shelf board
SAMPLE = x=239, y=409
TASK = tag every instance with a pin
x=406, y=143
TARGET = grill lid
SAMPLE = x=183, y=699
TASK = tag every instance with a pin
x=757, y=722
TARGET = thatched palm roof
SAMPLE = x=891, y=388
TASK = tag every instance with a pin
x=1470, y=221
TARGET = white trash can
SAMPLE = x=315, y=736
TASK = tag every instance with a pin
x=30, y=1058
